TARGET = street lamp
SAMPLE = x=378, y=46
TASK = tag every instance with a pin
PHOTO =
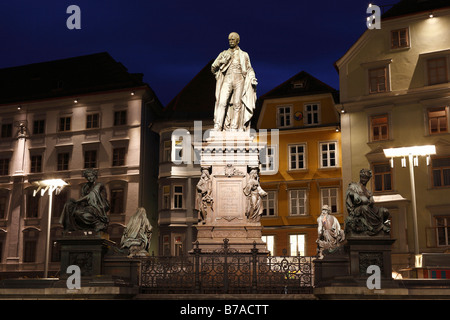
x=50, y=185
x=412, y=153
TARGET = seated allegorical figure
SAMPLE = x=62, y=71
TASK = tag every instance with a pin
x=137, y=234
x=89, y=213
x=364, y=218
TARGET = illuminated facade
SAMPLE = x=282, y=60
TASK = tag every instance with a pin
x=302, y=171
x=58, y=118
x=394, y=92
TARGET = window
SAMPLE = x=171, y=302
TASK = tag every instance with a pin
x=312, y=114
x=437, y=70
x=119, y=157
x=29, y=250
x=270, y=204
x=4, y=167
x=166, y=197
x=329, y=196
x=378, y=80
x=33, y=204
x=90, y=159
x=178, y=245
x=59, y=201
x=441, y=172
x=443, y=230
x=297, y=157
x=178, y=197
x=267, y=158
x=92, y=121
x=284, y=116
x=3, y=205
x=328, y=154
x=64, y=124
x=399, y=38
x=178, y=149
x=166, y=154
x=297, y=244
x=269, y=241
x=382, y=177
x=166, y=245
x=117, y=201
x=63, y=161
x=36, y=164
x=120, y=118
x=379, y=128
x=437, y=120
x=297, y=202
x=39, y=126
x=6, y=130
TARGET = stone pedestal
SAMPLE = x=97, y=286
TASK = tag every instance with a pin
x=365, y=251
x=229, y=156
x=85, y=251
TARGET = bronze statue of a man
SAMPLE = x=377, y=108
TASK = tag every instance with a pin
x=235, y=88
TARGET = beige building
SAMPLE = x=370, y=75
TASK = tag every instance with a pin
x=58, y=118
x=395, y=92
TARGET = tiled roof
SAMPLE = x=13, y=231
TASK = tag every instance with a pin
x=66, y=77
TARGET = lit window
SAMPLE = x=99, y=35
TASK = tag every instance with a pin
x=297, y=244
x=284, y=116
x=328, y=154
x=379, y=128
x=378, y=80
x=382, y=177
x=270, y=243
x=329, y=196
x=297, y=202
x=297, y=157
x=166, y=197
x=267, y=158
x=399, y=38
x=441, y=172
x=437, y=120
x=437, y=70
x=178, y=149
x=270, y=204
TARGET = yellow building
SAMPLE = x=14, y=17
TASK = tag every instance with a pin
x=394, y=92
x=303, y=171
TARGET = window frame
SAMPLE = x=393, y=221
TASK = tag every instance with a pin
x=120, y=117
x=67, y=125
x=39, y=126
x=329, y=197
x=398, y=36
x=117, y=200
x=446, y=119
x=297, y=154
x=267, y=201
x=383, y=177
x=380, y=126
x=178, y=195
x=90, y=122
x=285, y=116
x=298, y=206
x=36, y=163
x=297, y=236
x=4, y=166
x=269, y=244
x=63, y=160
x=86, y=160
x=119, y=155
x=441, y=173
x=446, y=228
x=336, y=155
x=445, y=67
x=307, y=113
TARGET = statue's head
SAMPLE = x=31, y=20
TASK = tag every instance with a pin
x=326, y=209
x=365, y=175
x=233, y=39
x=90, y=174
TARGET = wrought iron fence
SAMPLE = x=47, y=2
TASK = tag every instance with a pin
x=226, y=271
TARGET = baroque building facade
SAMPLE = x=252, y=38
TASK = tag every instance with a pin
x=58, y=118
x=394, y=92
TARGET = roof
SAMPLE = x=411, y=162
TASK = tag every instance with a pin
x=302, y=84
x=65, y=77
x=196, y=100
x=406, y=7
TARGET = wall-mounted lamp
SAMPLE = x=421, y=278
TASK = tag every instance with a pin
x=75, y=100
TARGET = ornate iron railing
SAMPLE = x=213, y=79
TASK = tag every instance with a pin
x=226, y=271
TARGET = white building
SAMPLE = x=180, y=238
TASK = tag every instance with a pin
x=83, y=112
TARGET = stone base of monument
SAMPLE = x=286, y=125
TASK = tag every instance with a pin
x=371, y=251
x=89, y=251
x=333, y=269
x=241, y=238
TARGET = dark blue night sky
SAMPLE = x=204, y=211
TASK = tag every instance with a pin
x=171, y=41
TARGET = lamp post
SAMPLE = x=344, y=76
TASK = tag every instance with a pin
x=412, y=153
x=50, y=185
